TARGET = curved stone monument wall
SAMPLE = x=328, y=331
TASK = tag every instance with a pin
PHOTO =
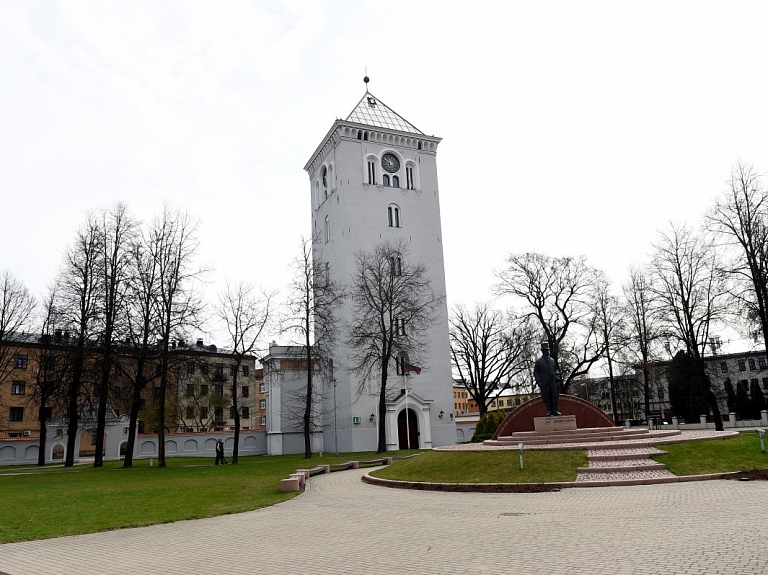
x=521, y=419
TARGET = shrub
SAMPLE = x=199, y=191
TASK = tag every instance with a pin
x=487, y=425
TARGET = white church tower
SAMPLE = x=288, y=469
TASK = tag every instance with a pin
x=374, y=179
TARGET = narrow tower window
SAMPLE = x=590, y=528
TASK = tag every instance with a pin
x=395, y=182
x=409, y=177
x=393, y=216
x=371, y=171
x=385, y=179
x=327, y=229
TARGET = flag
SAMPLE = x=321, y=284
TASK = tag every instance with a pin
x=408, y=368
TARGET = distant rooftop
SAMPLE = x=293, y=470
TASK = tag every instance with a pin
x=373, y=112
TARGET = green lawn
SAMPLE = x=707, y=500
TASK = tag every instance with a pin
x=715, y=456
x=487, y=467
x=37, y=504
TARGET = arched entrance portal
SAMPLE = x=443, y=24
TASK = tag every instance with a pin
x=408, y=430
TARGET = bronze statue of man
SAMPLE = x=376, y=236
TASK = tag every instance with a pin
x=547, y=377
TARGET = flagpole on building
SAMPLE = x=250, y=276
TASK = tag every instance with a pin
x=407, y=415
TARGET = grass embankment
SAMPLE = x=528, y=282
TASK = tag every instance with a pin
x=487, y=467
x=714, y=456
x=54, y=501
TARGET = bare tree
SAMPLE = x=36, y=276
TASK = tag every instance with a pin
x=740, y=217
x=393, y=307
x=52, y=371
x=692, y=295
x=16, y=308
x=313, y=297
x=488, y=355
x=558, y=295
x=142, y=329
x=644, y=328
x=172, y=244
x=244, y=314
x=116, y=228
x=79, y=286
x=610, y=324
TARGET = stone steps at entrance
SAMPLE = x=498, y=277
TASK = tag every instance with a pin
x=612, y=435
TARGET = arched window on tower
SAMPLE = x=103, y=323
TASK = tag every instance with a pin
x=401, y=361
x=397, y=265
x=409, y=182
x=393, y=216
x=327, y=229
x=395, y=181
x=360, y=135
x=385, y=179
x=325, y=183
x=371, y=172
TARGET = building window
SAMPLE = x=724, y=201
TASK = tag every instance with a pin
x=371, y=171
x=246, y=371
x=399, y=326
x=742, y=365
x=262, y=388
x=218, y=414
x=190, y=367
x=158, y=370
x=723, y=367
x=204, y=390
x=661, y=392
x=203, y=413
x=761, y=362
x=231, y=412
x=263, y=421
x=393, y=216
x=765, y=383
x=16, y=414
x=94, y=435
x=18, y=388
x=400, y=362
x=190, y=390
x=325, y=183
x=246, y=391
x=409, y=177
x=232, y=370
x=752, y=365
x=385, y=180
x=204, y=368
x=219, y=389
x=245, y=412
x=395, y=181
x=327, y=229
x=397, y=265
x=218, y=371
x=190, y=413
x=20, y=361
x=263, y=404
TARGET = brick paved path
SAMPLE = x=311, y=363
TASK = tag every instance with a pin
x=341, y=525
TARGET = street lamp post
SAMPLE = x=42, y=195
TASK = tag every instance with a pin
x=335, y=430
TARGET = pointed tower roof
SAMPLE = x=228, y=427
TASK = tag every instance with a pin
x=373, y=112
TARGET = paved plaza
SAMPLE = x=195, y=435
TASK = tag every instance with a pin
x=341, y=525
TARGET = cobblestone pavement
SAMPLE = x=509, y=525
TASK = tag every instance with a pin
x=341, y=525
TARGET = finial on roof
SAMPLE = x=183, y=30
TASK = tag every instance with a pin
x=366, y=79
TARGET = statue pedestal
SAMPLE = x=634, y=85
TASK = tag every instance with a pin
x=554, y=423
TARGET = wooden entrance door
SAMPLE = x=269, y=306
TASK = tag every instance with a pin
x=408, y=429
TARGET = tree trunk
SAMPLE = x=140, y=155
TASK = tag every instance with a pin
x=101, y=420
x=43, y=433
x=382, y=443
x=235, y=450
x=161, y=406
x=307, y=419
x=73, y=409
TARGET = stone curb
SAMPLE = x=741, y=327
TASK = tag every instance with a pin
x=536, y=487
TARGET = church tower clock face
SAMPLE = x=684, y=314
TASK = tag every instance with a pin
x=390, y=163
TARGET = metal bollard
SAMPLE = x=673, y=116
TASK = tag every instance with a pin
x=151, y=462
x=520, y=451
x=761, y=433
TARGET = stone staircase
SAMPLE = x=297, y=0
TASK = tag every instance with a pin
x=605, y=436
x=619, y=466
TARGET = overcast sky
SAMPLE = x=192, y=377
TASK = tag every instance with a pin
x=570, y=128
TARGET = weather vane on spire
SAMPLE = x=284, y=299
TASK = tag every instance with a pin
x=366, y=79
